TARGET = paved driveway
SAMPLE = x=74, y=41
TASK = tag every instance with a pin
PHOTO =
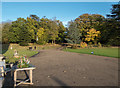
x=59, y=68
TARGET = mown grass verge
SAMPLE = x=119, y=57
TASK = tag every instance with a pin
x=105, y=51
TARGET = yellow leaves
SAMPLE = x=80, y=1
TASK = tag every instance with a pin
x=83, y=44
x=87, y=39
x=40, y=33
x=32, y=33
x=92, y=34
x=92, y=38
x=31, y=30
x=98, y=32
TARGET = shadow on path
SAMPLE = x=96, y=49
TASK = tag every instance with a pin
x=62, y=84
x=8, y=81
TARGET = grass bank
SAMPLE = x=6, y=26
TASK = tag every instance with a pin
x=105, y=51
x=23, y=50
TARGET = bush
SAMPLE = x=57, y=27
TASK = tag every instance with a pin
x=41, y=42
x=83, y=44
x=74, y=47
x=23, y=44
x=90, y=44
x=99, y=44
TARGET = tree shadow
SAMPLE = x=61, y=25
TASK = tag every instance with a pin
x=62, y=84
x=8, y=81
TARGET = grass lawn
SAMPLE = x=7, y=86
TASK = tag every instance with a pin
x=22, y=51
x=109, y=52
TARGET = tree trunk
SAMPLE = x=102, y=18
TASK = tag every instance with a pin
x=52, y=41
x=95, y=42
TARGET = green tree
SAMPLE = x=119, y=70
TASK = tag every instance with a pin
x=53, y=30
x=5, y=32
x=19, y=32
x=24, y=36
x=61, y=32
x=35, y=17
x=87, y=21
x=115, y=13
x=15, y=30
x=41, y=36
x=73, y=34
x=111, y=27
x=31, y=26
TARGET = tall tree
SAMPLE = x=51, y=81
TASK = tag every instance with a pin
x=74, y=33
x=41, y=36
x=87, y=21
x=24, y=35
x=31, y=26
x=61, y=34
x=115, y=13
x=15, y=29
x=19, y=33
x=35, y=17
x=113, y=21
x=53, y=30
x=5, y=32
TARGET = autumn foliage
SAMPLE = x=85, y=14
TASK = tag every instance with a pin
x=92, y=35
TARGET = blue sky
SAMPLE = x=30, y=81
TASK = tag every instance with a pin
x=63, y=11
x=60, y=0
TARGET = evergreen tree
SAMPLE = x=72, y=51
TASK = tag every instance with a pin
x=115, y=13
x=74, y=34
x=113, y=21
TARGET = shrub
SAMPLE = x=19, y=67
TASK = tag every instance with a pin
x=23, y=44
x=99, y=44
x=83, y=44
x=90, y=43
x=41, y=42
x=74, y=47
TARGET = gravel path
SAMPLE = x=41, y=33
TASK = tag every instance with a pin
x=59, y=68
